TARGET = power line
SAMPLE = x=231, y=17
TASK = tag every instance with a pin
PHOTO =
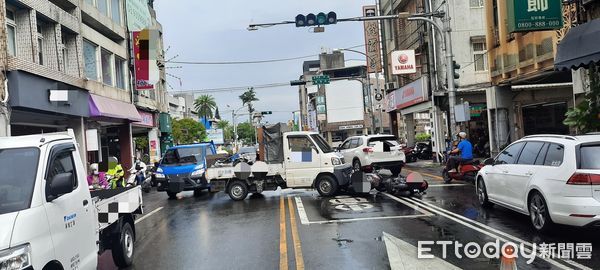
x=252, y=61
x=230, y=89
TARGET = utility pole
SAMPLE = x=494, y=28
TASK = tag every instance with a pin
x=4, y=112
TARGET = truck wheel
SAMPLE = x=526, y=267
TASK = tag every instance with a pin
x=356, y=165
x=122, y=251
x=172, y=195
x=238, y=190
x=327, y=186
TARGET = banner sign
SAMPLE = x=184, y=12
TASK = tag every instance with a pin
x=146, y=53
x=534, y=15
x=215, y=135
x=411, y=94
x=372, y=40
x=138, y=15
x=147, y=119
x=403, y=62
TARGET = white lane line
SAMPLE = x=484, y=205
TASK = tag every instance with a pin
x=149, y=214
x=512, y=237
x=411, y=205
x=461, y=220
x=301, y=211
x=447, y=185
x=366, y=218
x=403, y=255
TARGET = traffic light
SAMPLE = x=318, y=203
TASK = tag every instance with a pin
x=267, y=112
x=315, y=20
x=455, y=69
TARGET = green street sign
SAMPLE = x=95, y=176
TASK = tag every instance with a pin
x=534, y=15
x=320, y=79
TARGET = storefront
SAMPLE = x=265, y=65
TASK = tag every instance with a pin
x=111, y=120
x=409, y=108
x=146, y=132
x=41, y=105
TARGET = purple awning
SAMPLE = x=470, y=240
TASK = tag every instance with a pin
x=106, y=107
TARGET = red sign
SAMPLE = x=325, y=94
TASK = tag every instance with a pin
x=141, y=43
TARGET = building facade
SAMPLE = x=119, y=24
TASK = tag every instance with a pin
x=68, y=67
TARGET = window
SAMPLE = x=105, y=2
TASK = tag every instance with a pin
x=555, y=154
x=115, y=11
x=509, y=155
x=18, y=168
x=322, y=143
x=102, y=6
x=63, y=163
x=120, y=72
x=590, y=157
x=107, y=64
x=530, y=153
x=476, y=3
x=90, y=60
x=346, y=145
x=11, y=33
x=354, y=143
x=65, y=53
x=91, y=2
x=40, y=42
x=542, y=155
x=300, y=144
x=479, y=55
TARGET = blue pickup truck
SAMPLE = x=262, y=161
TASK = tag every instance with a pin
x=182, y=168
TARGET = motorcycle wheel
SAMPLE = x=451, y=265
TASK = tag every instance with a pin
x=446, y=177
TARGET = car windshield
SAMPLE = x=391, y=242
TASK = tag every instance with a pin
x=18, y=168
x=322, y=143
x=183, y=156
x=590, y=157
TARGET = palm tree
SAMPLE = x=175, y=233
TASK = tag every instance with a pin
x=247, y=98
x=205, y=105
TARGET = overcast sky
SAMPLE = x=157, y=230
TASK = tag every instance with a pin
x=209, y=31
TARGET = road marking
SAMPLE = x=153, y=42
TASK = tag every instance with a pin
x=447, y=185
x=149, y=214
x=295, y=237
x=461, y=220
x=304, y=218
x=403, y=255
x=301, y=211
x=283, y=259
x=427, y=174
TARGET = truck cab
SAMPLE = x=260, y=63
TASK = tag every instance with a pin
x=182, y=168
x=48, y=216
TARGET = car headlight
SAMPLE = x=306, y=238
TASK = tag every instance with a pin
x=159, y=173
x=197, y=173
x=15, y=258
x=336, y=161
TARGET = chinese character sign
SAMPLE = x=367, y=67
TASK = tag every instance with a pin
x=372, y=41
x=534, y=15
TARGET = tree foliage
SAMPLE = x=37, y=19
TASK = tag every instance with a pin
x=423, y=137
x=186, y=131
x=247, y=98
x=585, y=117
x=205, y=105
x=245, y=133
x=227, y=129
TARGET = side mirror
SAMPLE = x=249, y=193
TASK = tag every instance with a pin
x=59, y=185
x=488, y=161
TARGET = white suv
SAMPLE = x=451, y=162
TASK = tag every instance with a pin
x=551, y=178
x=373, y=151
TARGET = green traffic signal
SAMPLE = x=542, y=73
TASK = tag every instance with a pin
x=321, y=19
x=313, y=20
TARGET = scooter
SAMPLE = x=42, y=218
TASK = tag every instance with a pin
x=137, y=172
x=466, y=171
x=383, y=181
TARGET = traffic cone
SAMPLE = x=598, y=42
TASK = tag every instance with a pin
x=508, y=263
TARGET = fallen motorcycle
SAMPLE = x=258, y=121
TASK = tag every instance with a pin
x=383, y=180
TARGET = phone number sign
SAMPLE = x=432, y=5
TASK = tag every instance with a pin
x=534, y=15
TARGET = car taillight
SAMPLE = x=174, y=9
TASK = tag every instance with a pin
x=584, y=179
x=367, y=169
x=368, y=150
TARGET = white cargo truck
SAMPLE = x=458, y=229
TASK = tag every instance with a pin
x=49, y=219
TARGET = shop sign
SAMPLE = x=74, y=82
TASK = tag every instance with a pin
x=138, y=15
x=372, y=41
x=153, y=149
x=534, y=15
x=215, y=135
x=351, y=127
x=477, y=109
x=147, y=119
x=403, y=62
x=411, y=94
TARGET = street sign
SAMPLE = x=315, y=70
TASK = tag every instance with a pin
x=534, y=15
x=320, y=79
x=266, y=112
x=403, y=62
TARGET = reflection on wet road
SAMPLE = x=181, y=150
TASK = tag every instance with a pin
x=297, y=229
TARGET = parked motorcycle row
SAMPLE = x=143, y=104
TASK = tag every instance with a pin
x=114, y=177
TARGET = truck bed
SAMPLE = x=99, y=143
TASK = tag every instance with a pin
x=112, y=204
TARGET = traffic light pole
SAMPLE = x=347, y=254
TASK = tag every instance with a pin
x=449, y=66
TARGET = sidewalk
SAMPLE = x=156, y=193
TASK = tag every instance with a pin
x=424, y=164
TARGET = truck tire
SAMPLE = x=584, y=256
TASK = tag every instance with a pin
x=238, y=190
x=122, y=251
x=172, y=195
x=327, y=186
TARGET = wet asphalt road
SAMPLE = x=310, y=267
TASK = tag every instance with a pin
x=291, y=229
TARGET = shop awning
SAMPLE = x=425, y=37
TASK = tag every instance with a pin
x=579, y=48
x=110, y=108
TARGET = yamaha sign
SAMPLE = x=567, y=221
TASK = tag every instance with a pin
x=403, y=62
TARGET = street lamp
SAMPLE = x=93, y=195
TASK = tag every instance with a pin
x=233, y=116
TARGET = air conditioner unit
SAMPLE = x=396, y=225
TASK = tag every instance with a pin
x=391, y=86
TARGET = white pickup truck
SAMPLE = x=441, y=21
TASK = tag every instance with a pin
x=49, y=219
x=293, y=160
